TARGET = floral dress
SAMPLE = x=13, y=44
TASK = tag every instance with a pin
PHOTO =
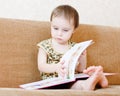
x=53, y=57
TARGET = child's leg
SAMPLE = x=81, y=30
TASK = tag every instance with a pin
x=90, y=83
x=90, y=70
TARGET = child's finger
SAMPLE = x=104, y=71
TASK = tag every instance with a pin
x=84, y=52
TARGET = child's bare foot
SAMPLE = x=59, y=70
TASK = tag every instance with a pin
x=90, y=83
x=90, y=70
x=103, y=81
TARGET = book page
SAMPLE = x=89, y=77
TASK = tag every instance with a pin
x=46, y=83
x=72, y=56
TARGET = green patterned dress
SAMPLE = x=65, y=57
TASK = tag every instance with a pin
x=53, y=57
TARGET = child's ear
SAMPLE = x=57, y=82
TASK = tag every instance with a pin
x=73, y=32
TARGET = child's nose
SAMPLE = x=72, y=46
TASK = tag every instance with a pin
x=59, y=33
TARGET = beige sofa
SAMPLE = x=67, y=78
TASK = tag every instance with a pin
x=18, y=56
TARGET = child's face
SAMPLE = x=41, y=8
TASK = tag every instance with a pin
x=61, y=29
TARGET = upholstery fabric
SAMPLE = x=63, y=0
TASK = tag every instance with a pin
x=18, y=55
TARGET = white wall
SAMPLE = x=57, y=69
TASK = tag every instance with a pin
x=100, y=12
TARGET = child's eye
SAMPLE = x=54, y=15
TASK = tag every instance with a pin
x=55, y=28
x=65, y=30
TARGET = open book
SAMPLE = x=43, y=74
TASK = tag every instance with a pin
x=71, y=59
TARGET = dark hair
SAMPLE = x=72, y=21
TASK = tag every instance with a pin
x=68, y=12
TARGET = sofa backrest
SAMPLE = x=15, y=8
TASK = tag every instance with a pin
x=18, y=50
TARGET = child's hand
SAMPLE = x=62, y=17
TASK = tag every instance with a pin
x=61, y=69
x=82, y=56
x=82, y=62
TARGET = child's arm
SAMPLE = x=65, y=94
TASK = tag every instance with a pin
x=49, y=68
x=82, y=62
